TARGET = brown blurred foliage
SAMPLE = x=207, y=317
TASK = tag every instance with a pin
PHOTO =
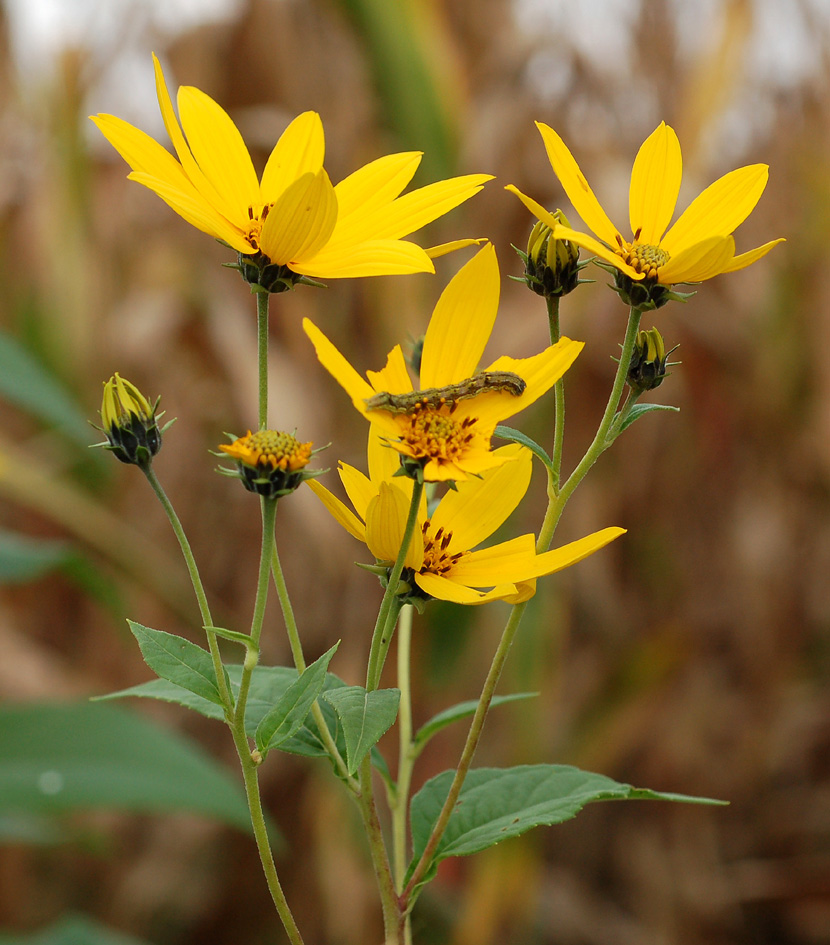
x=692, y=655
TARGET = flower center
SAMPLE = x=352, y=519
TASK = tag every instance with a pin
x=270, y=449
x=437, y=559
x=432, y=433
x=255, y=225
x=644, y=257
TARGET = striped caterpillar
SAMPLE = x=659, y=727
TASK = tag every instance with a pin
x=449, y=395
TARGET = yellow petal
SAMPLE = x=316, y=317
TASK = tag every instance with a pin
x=393, y=377
x=655, y=184
x=220, y=152
x=370, y=258
x=299, y=150
x=443, y=248
x=191, y=168
x=301, y=221
x=342, y=515
x=377, y=183
x=722, y=207
x=564, y=557
x=701, y=261
x=474, y=462
x=539, y=372
x=415, y=209
x=385, y=524
x=477, y=507
x=141, y=152
x=191, y=206
x=383, y=461
x=444, y=589
x=747, y=259
x=581, y=239
x=506, y=562
x=461, y=322
x=339, y=368
x=359, y=488
x=576, y=186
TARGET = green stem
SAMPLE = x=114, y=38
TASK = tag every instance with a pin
x=262, y=300
x=249, y=774
x=406, y=755
x=384, y=626
x=473, y=736
x=377, y=850
x=198, y=587
x=604, y=436
x=299, y=661
x=269, y=514
x=554, y=475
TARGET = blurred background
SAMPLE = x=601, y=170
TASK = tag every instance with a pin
x=692, y=655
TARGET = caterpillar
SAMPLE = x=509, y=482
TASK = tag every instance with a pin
x=449, y=395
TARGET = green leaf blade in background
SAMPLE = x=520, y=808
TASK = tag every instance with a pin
x=290, y=712
x=25, y=382
x=462, y=710
x=25, y=559
x=498, y=803
x=364, y=716
x=71, y=930
x=58, y=757
x=178, y=660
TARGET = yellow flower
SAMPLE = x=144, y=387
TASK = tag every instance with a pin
x=270, y=462
x=439, y=561
x=451, y=440
x=697, y=247
x=293, y=215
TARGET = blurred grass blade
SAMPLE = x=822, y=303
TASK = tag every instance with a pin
x=26, y=559
x=59, y=757
x=24, y=381
x=71, y=930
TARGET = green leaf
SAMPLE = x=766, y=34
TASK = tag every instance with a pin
x=288, y=715
x=71, y=930
x=462, y=710
x=25, y=559
x=58, y=757
x=268, y=685
x=516, y=436
x=178, y=660
x=24, y=381
x=498, y=803
x=365, y=717
x=638, y=410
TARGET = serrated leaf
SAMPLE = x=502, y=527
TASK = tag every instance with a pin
x=498, y=803
x=59, y=757
x=290, y=712
x=638, y=410
x=178, y=660
x=364, y=716
x=508, y=433
x=460, y=711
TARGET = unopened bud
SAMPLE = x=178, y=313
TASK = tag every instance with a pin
x=551, y=264
x=130, y=422
x=647, y=367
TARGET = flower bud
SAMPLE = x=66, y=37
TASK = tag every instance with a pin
x=269, y=462
x=129, y=422
x=647, y=367
x=551, y=265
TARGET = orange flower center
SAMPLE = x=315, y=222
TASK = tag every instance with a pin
x=270, y=449
x=257, y=218
x=432, y=433
x=644, y=257
x=437, y=559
